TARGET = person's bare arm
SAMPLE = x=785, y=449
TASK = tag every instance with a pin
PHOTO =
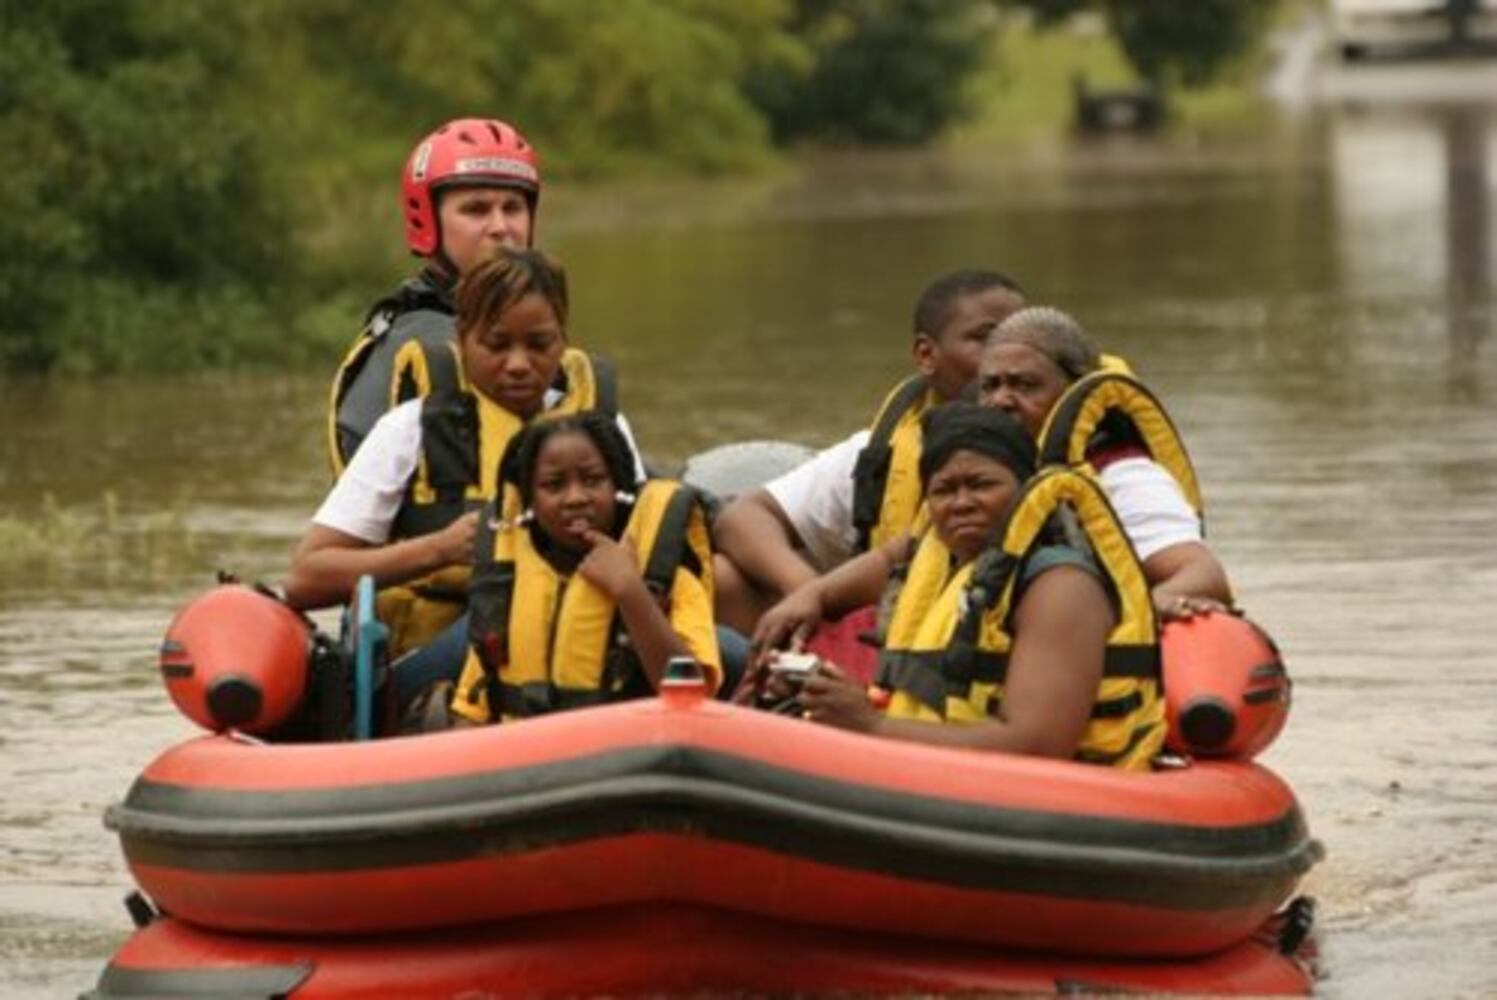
x=755, y=534
x=328, y=562
x=1186, y=579
x=858, y=582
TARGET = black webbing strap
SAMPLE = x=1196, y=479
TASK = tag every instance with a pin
x=871, y=471
x=491, y=593
x=606, y=381
x=670, y=540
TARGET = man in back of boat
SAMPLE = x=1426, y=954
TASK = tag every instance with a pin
x=469, y=187
x=864, y=489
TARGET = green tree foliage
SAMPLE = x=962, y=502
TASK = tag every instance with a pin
x=1169, y=42
x=598, y=84
x=139, y=208
x=1185, y=43
x=196, y=183
x=200, y=183
x=614, y=83
x=877, y=71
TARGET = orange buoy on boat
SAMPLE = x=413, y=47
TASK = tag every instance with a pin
x=1225, y=686
x=236, y=658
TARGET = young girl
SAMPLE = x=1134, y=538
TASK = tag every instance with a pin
x=584, y=587
x=406, y=509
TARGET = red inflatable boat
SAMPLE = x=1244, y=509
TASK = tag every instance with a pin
x=683, y=844
x=663, y=949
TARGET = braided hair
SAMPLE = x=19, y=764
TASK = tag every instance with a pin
x=518, y=464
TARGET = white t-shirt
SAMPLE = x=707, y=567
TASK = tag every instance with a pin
x=366, y=498
x=1150, y=505
x=817, y=495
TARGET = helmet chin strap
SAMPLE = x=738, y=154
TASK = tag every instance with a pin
x=441, y=268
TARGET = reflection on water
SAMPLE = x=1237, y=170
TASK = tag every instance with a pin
x=1415, y=222
x=1317, y=313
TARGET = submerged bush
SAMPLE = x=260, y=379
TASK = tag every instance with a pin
x=137, y=194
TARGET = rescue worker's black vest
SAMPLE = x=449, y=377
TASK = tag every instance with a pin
x=369, y=382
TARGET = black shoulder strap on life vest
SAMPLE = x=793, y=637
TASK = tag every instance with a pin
x=671, y=547
x=412, y=296
x=963, y=663
x=449, y=449
x=606, y=378
x=871, y=471
x=624, y=675
x=491, y=593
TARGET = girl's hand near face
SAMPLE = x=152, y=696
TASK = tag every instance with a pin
x=609, y=566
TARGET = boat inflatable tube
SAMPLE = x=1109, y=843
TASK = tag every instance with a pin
x=671, y=949
x=1226, y=690
x=684, y=799
x=730, y=470
x=236, y=658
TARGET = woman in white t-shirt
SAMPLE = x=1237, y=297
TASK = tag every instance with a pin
x=406, y=508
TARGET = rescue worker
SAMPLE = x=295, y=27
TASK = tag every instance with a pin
x=406, y=509
x=587, y=581
x=1028, y=363
x=1004, y=636
x=863, y=490
x=467, y=188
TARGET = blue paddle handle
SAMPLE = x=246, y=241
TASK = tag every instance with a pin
x=370, y=634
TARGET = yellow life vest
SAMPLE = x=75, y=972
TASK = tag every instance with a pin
x=887, y=496
x=1108, y=407
x=946, y=655
x=542, y=642
x=886, y=478
x=463, y=437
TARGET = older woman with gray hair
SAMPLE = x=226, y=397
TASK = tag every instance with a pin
x=1027, y=364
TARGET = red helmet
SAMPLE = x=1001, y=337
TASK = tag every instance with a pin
x=466, y=152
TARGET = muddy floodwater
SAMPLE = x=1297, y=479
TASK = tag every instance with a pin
x=1315, y=308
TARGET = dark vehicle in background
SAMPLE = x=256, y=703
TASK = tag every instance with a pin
x=1363, y=27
